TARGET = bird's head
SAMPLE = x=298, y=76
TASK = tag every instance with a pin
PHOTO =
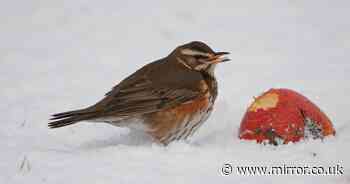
x=199, y=56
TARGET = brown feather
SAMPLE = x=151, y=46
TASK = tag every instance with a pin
x=150, y=89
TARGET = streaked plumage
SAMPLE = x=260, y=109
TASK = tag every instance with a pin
x=168, y=97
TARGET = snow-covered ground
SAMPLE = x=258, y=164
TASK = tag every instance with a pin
x=61, y=55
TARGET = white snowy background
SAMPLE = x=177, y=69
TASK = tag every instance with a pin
x=58, y=55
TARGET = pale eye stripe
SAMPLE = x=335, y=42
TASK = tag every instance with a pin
x=194, y=53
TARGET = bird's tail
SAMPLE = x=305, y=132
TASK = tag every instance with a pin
x=70, y=117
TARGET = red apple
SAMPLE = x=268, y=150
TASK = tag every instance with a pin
x=281, y=116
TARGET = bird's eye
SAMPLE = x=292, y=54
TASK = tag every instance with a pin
x=200, y=57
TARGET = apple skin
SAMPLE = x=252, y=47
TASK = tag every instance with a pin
x=280, y=116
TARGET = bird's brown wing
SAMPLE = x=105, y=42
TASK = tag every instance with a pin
x=156, y=86
x=143, y=92
x=135, y=101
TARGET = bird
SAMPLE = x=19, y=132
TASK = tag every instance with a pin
x=168, y=99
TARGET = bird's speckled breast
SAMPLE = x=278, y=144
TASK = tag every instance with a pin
x=181, y=122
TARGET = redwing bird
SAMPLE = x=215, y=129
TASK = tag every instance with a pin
x=168, y=99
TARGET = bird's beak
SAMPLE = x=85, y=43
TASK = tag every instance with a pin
x=218, y=57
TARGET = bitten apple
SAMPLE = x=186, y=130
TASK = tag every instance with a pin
x=280, y=116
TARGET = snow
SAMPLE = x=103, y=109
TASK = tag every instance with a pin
x=62, y=55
